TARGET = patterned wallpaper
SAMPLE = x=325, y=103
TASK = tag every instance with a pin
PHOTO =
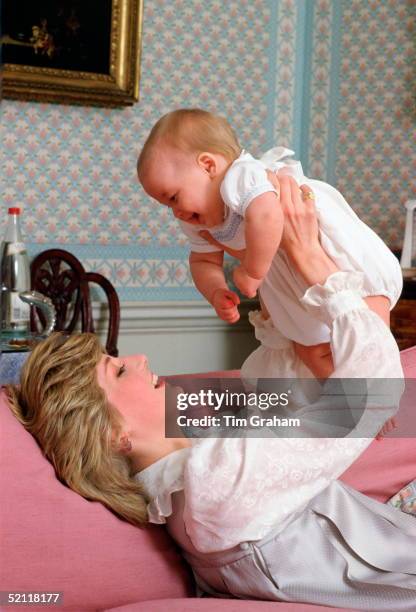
x=375, y=118
x=331, y=79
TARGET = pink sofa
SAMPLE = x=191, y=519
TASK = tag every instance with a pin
x=54, y=540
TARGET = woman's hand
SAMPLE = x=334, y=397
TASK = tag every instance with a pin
x=301, y=223
x=300, y=239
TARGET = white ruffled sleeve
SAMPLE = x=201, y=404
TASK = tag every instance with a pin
x=160, y=480
x=237, y=490
x=342, y=293
x=361, y=343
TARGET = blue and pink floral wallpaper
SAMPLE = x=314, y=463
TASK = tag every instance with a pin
x=334, y=80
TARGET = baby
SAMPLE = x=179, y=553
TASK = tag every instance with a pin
x=192, y=163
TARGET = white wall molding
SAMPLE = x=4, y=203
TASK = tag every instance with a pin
x=181, y=336
x=184, y=315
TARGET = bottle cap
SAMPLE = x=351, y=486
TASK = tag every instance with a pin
x=14, y=211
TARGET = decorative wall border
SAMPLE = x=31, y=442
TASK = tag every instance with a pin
x=285, y=67
x=318, y=91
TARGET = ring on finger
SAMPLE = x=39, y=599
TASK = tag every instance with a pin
x=308, y=195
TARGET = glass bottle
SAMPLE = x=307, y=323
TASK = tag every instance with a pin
x=15, y=277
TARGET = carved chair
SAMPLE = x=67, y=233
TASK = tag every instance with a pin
x=60, y=276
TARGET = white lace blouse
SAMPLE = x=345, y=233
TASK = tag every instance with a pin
x=238, y=490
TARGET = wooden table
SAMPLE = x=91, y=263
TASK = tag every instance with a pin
x=403, y=315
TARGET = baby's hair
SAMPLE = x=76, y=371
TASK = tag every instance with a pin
x=191, y=130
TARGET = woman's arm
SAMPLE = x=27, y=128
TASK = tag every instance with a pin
x=352, y=335
x=301, y=243
x=300, y=239
x=227, y=480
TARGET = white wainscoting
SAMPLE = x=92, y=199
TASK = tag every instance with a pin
x=182, y=337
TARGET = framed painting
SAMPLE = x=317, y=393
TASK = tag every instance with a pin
x=72, y=51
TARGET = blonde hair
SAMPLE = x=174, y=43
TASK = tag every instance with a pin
x=191, y=130
x=62, y=405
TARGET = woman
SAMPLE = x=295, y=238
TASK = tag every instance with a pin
x=263, y=519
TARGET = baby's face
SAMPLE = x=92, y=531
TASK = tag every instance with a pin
x=176, y=179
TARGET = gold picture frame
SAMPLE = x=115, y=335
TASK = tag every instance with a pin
x=37, y=73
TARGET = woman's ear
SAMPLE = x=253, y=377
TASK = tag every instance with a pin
x=208, y=162
x=124, y=445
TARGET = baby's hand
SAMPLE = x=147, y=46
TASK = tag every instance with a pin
x=225, y=303
x=246, y=283
x=388, y=426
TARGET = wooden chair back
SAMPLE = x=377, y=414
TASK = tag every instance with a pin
x=60, y=276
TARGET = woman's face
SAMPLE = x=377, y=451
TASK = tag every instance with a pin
x=133, y=390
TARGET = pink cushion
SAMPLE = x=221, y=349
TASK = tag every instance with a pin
x=219, y=605
x=409, y=362
x=53, y=539
x=390, y=463
x=384, y=468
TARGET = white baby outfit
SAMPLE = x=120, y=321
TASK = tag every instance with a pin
x=348, y=241
x=268, y=519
